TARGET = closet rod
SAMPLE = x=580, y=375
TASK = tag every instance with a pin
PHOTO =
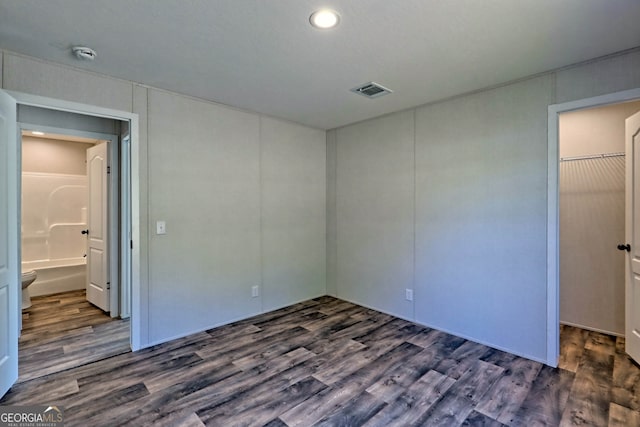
x=594, y=156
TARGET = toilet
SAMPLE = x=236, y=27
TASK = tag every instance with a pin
x=28, y=277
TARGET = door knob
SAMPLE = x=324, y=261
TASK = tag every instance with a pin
x=87, y=232
x=626, y=247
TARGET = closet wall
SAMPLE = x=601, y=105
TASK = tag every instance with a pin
x=592, y=183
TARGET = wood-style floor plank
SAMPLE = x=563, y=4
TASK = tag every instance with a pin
x=476, y=419
x=619, y=416
x=591, y=391
x=547, y=398
x=355, y=412
x=463, y=396
x=212, y=389
x=601, y=343
x=62, y=331
x=572, y=347
x=411, y=405
x=626, y=379
x=319, y=405
x=323, y=362
x=399, y=380
x=261, y=405
x=504, y=399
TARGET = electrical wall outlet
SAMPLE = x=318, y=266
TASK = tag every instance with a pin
x=409, y=294
x=255, y=291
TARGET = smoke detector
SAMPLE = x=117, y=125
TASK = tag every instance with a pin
x=84, y=53
x=371, y=90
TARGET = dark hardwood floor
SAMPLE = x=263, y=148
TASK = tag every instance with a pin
x=326, y=362
x=63, y=331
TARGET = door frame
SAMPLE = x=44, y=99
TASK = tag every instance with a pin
x=113, y=199
x=130, y=224
x=10, y=359
x=553, y=209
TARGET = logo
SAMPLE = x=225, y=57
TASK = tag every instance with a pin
x=31, y=416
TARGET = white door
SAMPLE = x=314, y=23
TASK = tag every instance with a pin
x=632, y=227
x=97, y=224
x=9, y=276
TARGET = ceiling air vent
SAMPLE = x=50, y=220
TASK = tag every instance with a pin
x=371, y=90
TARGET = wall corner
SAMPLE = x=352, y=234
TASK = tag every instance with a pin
x=331, y=248
x=1, y=68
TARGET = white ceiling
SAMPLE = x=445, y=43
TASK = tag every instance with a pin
x=262, y=55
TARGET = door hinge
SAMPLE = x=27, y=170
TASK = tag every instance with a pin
x=131, y=241
x=108, y=169
x=108, y=285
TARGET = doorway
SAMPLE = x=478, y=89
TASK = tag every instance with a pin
x=597, y=162
x=70, y=243
x=592, y=221
x=10, y=220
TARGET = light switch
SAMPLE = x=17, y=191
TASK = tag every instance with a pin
x=161, y=227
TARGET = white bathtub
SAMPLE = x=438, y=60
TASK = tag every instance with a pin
x=59, y=275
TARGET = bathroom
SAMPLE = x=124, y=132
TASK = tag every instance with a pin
x=70, y=230
x=55, y=196
x=54, y=212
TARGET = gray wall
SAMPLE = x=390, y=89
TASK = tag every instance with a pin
x=375, y=213
x=480, y=212
x=243, y=196
x=293, y=212
x=481, y=215
x=204, y=179
x=453, y=203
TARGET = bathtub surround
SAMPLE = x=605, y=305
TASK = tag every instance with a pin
x=53, y=216
x=57, y=275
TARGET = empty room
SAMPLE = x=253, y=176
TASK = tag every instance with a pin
x=320, y=213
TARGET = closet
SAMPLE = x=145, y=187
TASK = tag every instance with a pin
x=592, y=210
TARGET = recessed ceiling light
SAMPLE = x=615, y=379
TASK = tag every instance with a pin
x=324, y=19
x=37, y=133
